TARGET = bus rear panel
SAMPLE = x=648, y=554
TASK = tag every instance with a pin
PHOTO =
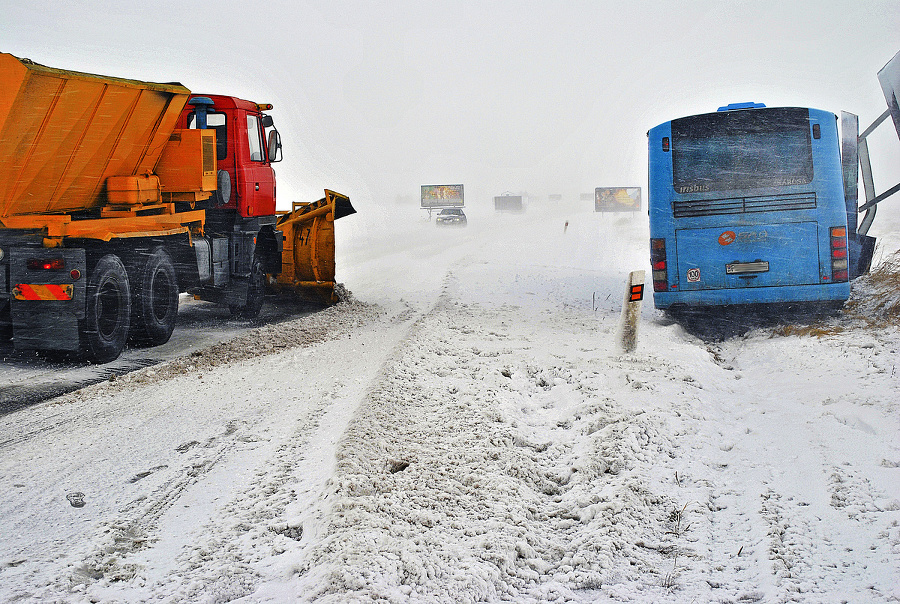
x=747, y=207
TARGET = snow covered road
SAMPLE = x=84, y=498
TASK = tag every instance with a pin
x=470, y=432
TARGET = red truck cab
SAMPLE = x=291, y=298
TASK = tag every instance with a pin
x=247, y=145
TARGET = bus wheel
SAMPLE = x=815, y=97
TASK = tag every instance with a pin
x=107, y=312
x=154, y=299
x=256, y=292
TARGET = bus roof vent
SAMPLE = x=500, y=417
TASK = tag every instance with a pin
x=735, y=106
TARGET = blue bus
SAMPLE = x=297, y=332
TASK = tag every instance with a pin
x=747, y=206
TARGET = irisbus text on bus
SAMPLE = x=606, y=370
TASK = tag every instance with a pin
x=747, y=206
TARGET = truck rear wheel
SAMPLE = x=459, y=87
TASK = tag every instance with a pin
x=154, y=301
x=104, y=329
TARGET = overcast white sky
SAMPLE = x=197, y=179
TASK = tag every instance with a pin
x=376, y=98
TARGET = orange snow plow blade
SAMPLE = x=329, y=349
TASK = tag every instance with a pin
x=307, y=259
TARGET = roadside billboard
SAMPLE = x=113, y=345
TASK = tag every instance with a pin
x=617, y=199
x=442, y=196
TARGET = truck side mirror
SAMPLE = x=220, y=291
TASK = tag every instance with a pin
x=274, y=144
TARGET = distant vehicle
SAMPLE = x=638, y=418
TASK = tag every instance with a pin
x=451, y=217
x=509, y=203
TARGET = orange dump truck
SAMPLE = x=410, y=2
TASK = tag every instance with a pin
x=117, y=195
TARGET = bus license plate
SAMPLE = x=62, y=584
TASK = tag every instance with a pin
x=742, y=268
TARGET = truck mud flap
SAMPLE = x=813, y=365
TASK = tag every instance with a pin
x=307, y=259
x=47, y=297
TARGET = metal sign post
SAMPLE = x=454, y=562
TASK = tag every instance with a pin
x=631, y=310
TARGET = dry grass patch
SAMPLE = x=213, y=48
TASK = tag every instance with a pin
x=816, y=331
x=875, y=297
x=874, y=303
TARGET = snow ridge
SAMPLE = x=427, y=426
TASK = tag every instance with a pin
x=448, y=487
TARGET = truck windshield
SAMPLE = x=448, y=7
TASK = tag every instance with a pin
x=741, y=150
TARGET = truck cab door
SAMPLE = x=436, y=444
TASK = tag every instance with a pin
x=255, y=178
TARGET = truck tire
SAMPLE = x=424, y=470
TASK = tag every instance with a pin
x=107, y=316
x=154, y=300
x=256, y=292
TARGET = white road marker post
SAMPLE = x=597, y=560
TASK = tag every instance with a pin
x=631, y=310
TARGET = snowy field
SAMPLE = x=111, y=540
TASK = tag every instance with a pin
x=466, y=429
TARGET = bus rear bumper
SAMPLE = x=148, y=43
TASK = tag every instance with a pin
x=828, y=292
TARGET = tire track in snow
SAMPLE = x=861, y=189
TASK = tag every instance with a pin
x=782, y=493
x=123, y=543
x=276, y=511
x=250, y=526
x=135, y=527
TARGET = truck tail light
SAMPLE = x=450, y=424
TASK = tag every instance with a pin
x=839, y=260
x=45, y=264
x=658, y=264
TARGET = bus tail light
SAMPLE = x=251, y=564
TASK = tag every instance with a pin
x=658, y=264
x=839, y=260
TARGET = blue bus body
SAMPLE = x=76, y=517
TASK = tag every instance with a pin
x=747, y=207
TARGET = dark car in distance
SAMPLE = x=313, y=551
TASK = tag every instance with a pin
x=451, y=217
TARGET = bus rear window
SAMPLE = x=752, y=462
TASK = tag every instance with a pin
x=757, y=148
